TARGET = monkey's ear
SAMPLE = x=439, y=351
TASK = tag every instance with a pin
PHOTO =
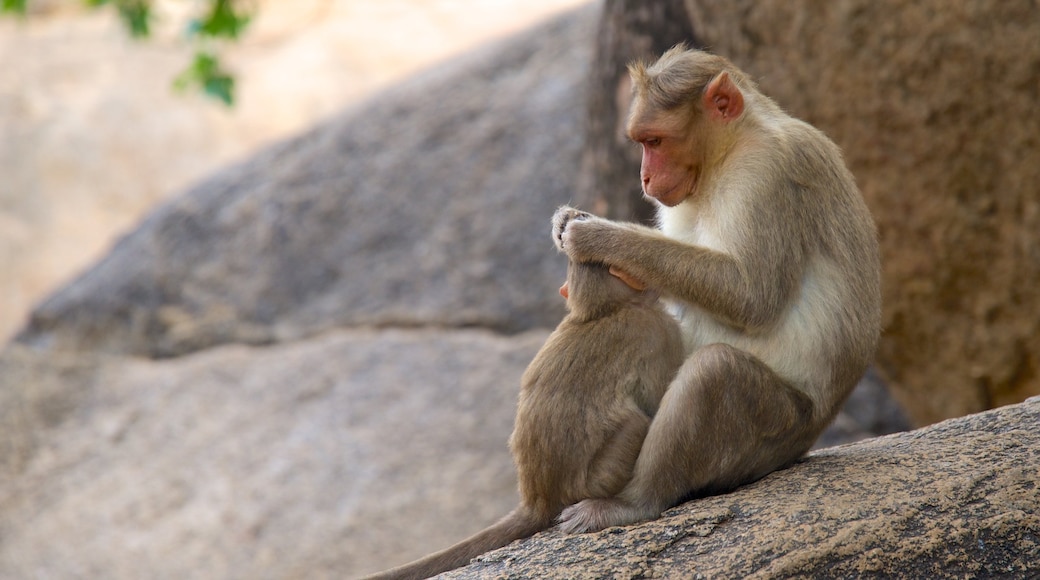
x=723, y=100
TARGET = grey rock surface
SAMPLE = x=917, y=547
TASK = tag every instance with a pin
x=320, y=458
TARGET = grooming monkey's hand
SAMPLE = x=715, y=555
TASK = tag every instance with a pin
x=561, y=219
x=579, y=234
x=585, y=237
x=633, y=282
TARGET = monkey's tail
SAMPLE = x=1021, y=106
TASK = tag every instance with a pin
x=520, y=523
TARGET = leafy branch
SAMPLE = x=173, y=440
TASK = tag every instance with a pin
x=17, y=6
x=219, y=21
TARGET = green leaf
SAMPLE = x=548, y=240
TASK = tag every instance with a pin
x=221, y=87
x=221, y=22
x=17, y=6
x=136, y=15
x=206, y=73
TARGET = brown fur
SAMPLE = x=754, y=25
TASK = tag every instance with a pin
x=586, y=401
x=768, y=256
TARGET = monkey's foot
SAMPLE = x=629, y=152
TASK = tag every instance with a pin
x=593, y=515
x=561, y=218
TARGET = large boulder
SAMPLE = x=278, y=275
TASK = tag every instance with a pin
x=92, y=136
x=312, y=459
x=427, y=205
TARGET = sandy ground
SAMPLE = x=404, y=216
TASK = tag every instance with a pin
x=92, y=136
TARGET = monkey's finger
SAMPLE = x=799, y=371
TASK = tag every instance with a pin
x=632, y=281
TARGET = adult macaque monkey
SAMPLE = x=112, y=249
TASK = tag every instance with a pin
x=768, y=257
x=586, y=401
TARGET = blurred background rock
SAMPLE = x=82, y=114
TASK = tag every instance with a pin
x=92, y=136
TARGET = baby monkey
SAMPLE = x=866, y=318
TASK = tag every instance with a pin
x=586, y=401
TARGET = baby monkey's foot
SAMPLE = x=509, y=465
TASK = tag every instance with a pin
x=593, y=515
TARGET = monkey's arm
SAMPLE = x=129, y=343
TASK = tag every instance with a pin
x=748, y=288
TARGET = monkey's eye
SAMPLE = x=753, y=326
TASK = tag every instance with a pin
x=651, y=141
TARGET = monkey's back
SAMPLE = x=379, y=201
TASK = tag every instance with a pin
x=586, y=401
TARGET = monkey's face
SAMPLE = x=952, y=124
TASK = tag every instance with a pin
x=670, y=169
x=666, y=175
x=681, y=126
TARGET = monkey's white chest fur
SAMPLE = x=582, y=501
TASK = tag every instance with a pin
x=799, y=347
x=705, y=231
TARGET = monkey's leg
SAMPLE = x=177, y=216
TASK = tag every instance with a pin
x=611, y=468
x=726, y=419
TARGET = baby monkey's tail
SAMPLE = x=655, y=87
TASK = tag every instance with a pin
x=520, y=523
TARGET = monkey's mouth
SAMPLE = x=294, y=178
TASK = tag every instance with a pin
x=674, y=195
